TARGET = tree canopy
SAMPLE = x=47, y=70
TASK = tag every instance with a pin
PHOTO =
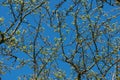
x=60, y=39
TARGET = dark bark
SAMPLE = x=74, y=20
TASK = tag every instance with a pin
x=79, y=76
x=2, y=40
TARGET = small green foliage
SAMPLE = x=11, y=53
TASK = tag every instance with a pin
x=18, y=32
x=1, y=19
x=24, y=47
x=59, y=75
